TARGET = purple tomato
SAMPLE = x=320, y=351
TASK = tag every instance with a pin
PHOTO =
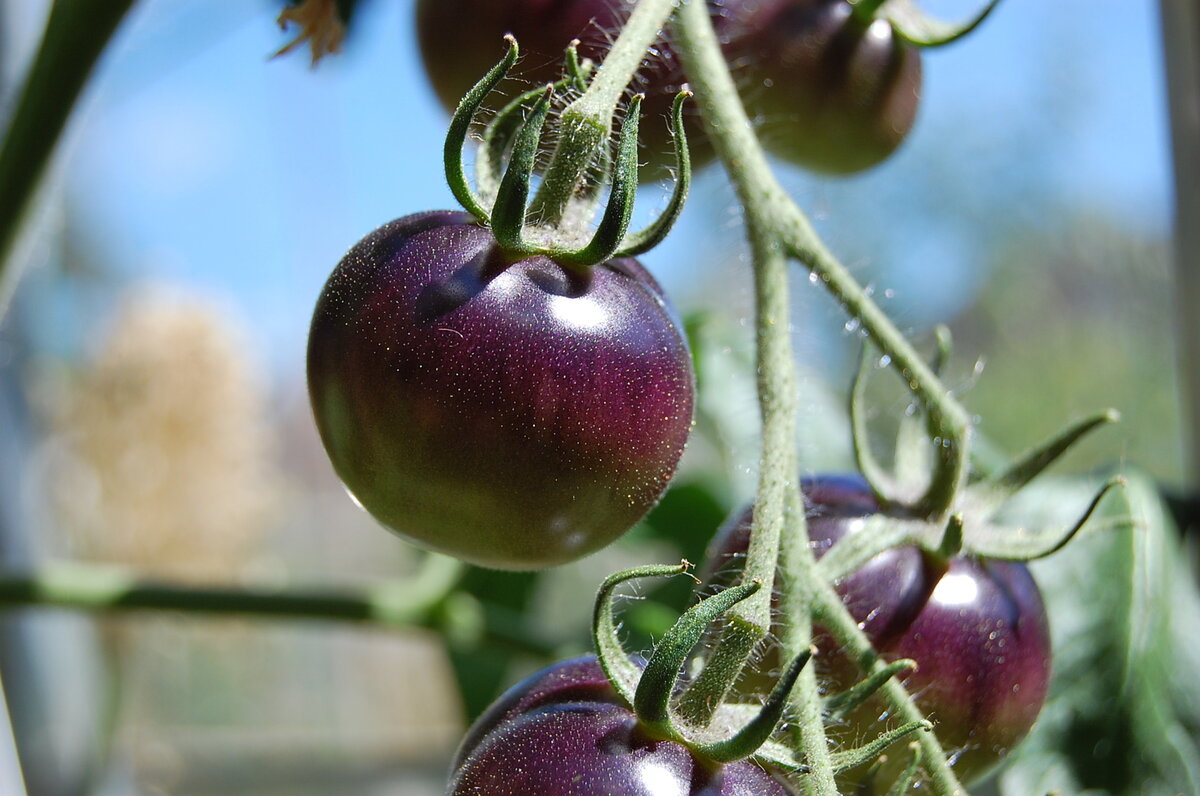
x=516, y=415
x=976, y=628
x=564, y=732
x=828, y=92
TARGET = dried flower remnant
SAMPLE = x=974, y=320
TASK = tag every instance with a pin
x=320, y=25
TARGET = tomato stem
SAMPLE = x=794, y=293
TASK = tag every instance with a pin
x=399, y=603
x=76, y=34
x=586, y=123
x=778, y=230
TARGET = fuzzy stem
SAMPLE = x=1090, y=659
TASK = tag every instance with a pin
x=776, y=228
x=777, y=381
x=586, y=123
x=949, y=422
x=798, y=576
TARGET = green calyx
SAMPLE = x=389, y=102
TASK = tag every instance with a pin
x=555, y=221
x=904, y=489
x=740, y=731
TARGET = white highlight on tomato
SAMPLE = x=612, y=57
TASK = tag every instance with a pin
x=582, y=312
x=956, y=590
x=659, y=779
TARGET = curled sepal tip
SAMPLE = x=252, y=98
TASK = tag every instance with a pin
x=846, y=701
x=1021, y=544
x=652, y=700
x=750, y=738
x=615, y=221
x=621, y=672
x=646, y=239
x=577, y=71
x=878, y=478
x=460, y=124
x=512, y=196
x=852, y=758
x=908, y=777
x=999, y=489
x=920, y=29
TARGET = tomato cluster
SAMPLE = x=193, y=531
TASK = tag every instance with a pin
x=521, y=410
x=830, y=92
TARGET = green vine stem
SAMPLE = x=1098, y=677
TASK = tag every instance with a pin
x=76, y=33
x=777, y=229
x=586, y=123
x=417, y=602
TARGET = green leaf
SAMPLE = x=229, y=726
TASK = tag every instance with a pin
x=1124, y=608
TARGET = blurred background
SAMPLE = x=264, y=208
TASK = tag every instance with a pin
x=153, y=410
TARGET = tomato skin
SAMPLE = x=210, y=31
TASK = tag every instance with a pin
x=461, y=39
x=976, y=628
x=563, y=731
x=515, y=415
x=827, y=92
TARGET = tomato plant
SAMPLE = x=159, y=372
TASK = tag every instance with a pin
x=514, y=414
x=976, y=628
x=563, y=730
x=509, y=386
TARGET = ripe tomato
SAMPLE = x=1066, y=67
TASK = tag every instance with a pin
x=563, y=731
x=518, y=414
x=829, y=93
x=976, y=628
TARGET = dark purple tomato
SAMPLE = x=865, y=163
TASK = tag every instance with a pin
x=516, y=415
x=828, y=92
x=461, y=40
x=563, y=732
x=976, y=628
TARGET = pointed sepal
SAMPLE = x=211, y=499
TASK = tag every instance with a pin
x=646, y=239
x=577, y=72
x=615, y=221
x=652, y=698
x=1022, y=544
x=908, y=777
x=460, y=124
x=843, y=703
x=622, y=673
x=877, y=534
x=997, y=490
x=750, y=738
x=878, y=478
x=852, y=758
x=512, y=196
x=951, y=543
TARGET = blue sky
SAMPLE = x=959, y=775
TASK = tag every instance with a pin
x=195, y=159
